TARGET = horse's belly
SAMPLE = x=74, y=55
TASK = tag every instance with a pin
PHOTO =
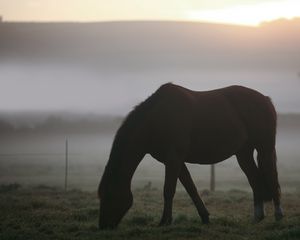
x=212, y=150
x=206, y=157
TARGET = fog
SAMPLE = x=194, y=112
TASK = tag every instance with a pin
x=41, y=87
x=77, y=82
x=36, y=158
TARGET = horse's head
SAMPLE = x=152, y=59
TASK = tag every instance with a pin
x=115, y=200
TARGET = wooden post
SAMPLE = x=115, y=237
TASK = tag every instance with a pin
x=212, y=178
x=66, y=166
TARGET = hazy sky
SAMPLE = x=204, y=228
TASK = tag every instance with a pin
x=247, y=12
x=62, y=88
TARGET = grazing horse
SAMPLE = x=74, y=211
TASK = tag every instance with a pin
x=177, y=126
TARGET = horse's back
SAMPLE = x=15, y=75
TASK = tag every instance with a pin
x=254, y=109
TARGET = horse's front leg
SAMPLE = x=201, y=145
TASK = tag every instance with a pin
x=173, y=166
x=191, y=189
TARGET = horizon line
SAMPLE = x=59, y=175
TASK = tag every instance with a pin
x=148, y=21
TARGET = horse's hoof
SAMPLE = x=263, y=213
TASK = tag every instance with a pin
x=258, y=219
x=107, y=228
x=278, y=216
x=259, y=213
x=278, y=213
x=205, y=219
x=165, y=222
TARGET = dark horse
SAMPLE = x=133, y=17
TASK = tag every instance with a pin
x=176, y=125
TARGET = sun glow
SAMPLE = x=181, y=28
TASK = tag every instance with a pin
x=251, y=15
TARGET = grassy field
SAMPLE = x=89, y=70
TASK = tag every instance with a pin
x=49, y=213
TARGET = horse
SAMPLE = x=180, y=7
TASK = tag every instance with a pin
x=176, y=125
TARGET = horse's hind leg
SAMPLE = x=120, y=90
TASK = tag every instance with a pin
x=267, y=165
x=247, y=164
x=173, y=165
x=187, y=181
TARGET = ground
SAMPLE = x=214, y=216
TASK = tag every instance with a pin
x=49, y=213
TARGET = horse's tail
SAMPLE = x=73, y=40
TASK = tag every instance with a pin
x=267, y=159
x=268, y=170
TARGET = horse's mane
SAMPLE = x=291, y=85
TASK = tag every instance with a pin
x=132, y=120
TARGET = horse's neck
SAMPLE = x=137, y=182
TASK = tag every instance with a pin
x=127, y=151
x=124, y=162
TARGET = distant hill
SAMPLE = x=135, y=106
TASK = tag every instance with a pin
x=154, y=45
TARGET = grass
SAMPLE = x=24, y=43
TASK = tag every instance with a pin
x=48, y=213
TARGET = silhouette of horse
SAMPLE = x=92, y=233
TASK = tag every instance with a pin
x=177, y=125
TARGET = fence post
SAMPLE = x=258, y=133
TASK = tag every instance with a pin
x=212, y=178
x=66, y=165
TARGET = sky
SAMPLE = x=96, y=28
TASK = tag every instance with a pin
x=241, y=12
